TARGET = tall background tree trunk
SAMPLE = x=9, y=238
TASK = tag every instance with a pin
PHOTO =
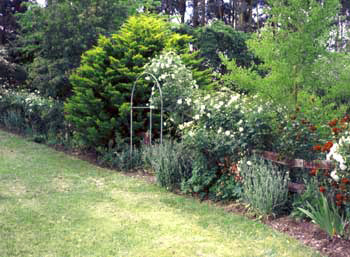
x=195, y=16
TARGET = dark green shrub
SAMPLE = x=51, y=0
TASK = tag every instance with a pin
x=221, y=38
x=213, y=174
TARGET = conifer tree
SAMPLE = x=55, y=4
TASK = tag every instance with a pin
x=100, y=105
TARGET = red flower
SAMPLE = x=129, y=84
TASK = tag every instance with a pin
x=312, y=128
x=345, y=119
x=234, y=168
x=336, y=130
x=317, y=148
x=345, y=180
x=342, y=188
x=339, y=197
x=333, y=123
x=303, y=121
x=322, y=189
x=313, y=172
x=327, y=146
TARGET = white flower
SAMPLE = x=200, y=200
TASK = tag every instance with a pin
x=191, y=133
x=164, y=124
x=147, y=78
x=227, y=132
x=338, y=158
x=179, y=101
x=334, y=176
x=208, y=114
x=196, y=117
x=342, y=166
x=249, y=163
x=241, y=129
x=181, y=127
x=220, y=130
x=240, y=122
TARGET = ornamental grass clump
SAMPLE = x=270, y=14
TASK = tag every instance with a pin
x=265, y=186
x=326, y=215
x=170, y=162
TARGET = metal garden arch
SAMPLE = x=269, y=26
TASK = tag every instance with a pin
x=132, y=107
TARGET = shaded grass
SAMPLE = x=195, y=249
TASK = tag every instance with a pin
x=52, y=204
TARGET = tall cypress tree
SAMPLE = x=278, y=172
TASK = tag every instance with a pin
x=99, y=108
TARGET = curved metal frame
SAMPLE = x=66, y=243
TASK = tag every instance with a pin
x=132, y=107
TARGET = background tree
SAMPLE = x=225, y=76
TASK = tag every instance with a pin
x=289, y=45
x=220, y=38
x=53, y=38
x=11, y=74
x=8, y=23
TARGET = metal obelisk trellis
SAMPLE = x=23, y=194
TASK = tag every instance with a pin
x=150, y=107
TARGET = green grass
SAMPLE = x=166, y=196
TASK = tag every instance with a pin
x=52, y=204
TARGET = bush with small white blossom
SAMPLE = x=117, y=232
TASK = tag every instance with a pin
x=28, y=112
x=225, y=127
x=177, y=85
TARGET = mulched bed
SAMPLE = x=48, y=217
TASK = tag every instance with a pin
x=304, y=231
x=309, y=234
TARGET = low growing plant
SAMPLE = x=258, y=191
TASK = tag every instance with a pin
x=171, y=163
x=326, y=215
x=30, y=113
x=300, y=201
x=265, y=186
x=121, y=159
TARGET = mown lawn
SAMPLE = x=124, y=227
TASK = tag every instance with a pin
x=52, y=204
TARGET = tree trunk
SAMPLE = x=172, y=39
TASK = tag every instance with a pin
x=195, y=16
x=182, y=10
x=203, y=3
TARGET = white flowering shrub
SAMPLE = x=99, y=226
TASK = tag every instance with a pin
x=225, y=126
x=24, y=112
x=243, y=121
x=340, y=155
x=177, y=84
